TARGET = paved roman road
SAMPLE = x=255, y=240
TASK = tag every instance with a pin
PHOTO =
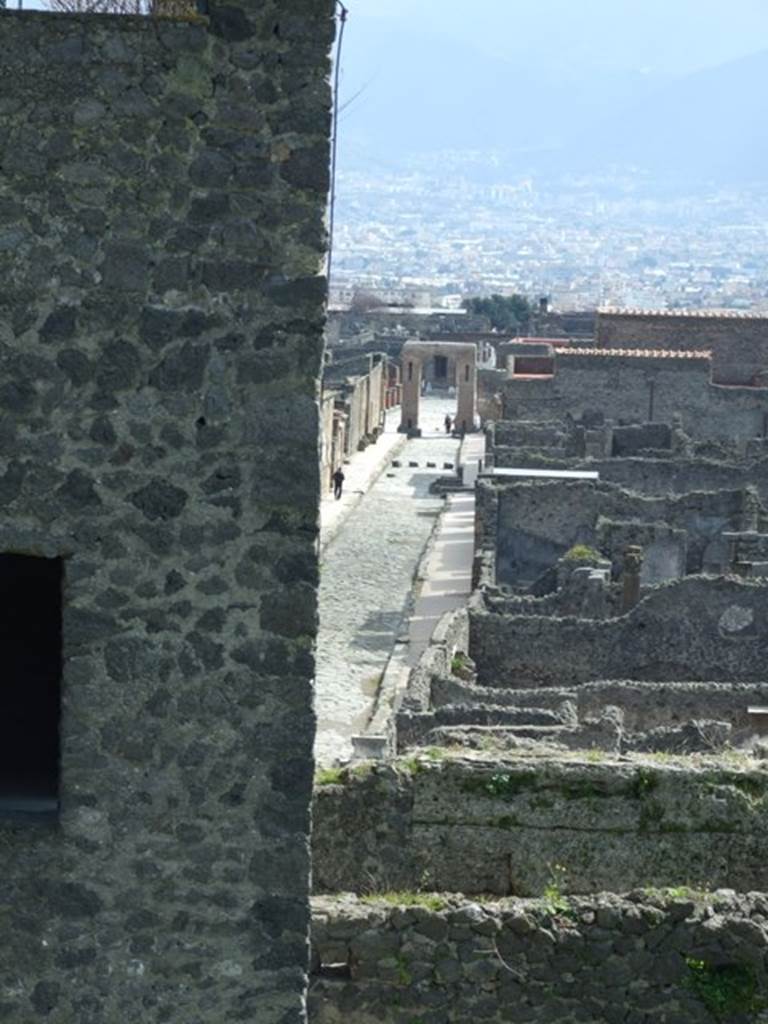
x=366, y=576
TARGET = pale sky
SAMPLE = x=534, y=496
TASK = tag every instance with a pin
x=668, y=35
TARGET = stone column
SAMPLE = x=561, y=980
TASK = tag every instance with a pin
x=630, y=577
x=409, y=418
x=466, y=380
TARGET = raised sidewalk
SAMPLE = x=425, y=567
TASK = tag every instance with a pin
x=361, y=472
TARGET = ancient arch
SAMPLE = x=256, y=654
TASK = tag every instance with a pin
x=414, y=354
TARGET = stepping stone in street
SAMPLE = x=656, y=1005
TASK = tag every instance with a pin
x=413, y=465
x=431, y=465
x=447, y=465
x=390, y=474
x=396, y=464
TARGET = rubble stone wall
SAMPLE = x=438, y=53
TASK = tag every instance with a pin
x=643, y=705
x=538, y=522
x=739, y=344
x=467, y=826
x=353, y=325
x=627, y=389
x=648, y=958
x=654, y=475
x=697, y=629
x=652, y=705
x=162, y=194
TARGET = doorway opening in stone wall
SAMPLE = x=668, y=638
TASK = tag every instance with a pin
x=30, y=684
x=441, y=370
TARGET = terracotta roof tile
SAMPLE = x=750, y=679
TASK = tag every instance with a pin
x=539, y=341
x=701, y=314
x=639, y=353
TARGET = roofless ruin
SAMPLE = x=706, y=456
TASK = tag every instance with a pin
x=569, y=814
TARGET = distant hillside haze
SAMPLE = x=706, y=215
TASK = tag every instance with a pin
x=556, y=102
x=411, y=92
x=671, y=36
x=712, y=123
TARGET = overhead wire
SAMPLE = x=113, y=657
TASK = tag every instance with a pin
x=343, y=14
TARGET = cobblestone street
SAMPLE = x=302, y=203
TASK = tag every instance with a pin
x=366, y=577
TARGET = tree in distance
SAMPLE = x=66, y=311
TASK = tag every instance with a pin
x=364, y=302
x=505, y=312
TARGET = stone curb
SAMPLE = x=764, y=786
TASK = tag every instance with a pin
x=394, y=679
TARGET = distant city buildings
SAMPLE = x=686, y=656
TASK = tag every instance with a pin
x=431, y=239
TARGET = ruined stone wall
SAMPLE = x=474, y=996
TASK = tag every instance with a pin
x=162, y=192
x=697, y=628
x=646, y=958
x=339, y=369
x=327, y=409
x=643, y=707
x=662, y=476
x=738, y=342
x=392, y=347
x=474, y=826
x=537, y=522
x=528, y=434
x=353, y=325
x=450, y=635
x=573, y=324
x=654, y=475
x=653, y=705
x=360, y=383
x=356, y=394
x=625, y=389
x=629, y=441
x=429, y=375
x=489, y=389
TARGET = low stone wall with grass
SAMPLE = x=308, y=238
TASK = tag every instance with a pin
x=675, y=957
x=457, y=824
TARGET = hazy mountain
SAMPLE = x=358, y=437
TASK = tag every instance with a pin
x=670, y=36
x=406, y=93
x=710, y=124
x=426, y=92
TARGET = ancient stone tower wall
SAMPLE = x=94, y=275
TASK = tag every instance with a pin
x=162, y=190
x=639, y=389
x=739, y=341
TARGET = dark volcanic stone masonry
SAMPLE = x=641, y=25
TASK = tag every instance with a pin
x=162, y=191
x=650, y=957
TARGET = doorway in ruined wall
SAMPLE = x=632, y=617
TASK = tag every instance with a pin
x=439, y=373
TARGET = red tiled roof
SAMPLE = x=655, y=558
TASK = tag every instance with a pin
x=701, y=314
x=640, y=353
x=539, y=341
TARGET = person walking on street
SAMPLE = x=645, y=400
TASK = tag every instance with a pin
x=447, y=422
x=338, y=482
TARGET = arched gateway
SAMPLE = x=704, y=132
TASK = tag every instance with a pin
x=414, y=354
